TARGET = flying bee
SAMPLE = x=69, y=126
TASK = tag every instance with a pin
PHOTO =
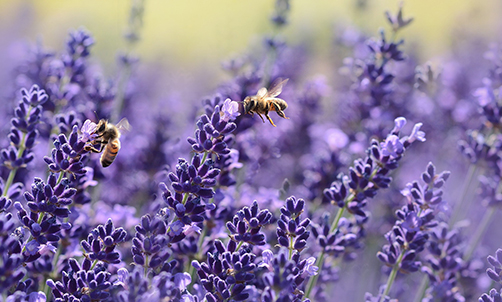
x=108, y=136
x=265, y=101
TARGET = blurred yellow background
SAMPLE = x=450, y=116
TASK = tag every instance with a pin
x=193, y=33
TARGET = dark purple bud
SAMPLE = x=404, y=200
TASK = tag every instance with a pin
x=283, y=241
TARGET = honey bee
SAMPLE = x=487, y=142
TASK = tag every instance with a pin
x=108, y=137
x=265, y=101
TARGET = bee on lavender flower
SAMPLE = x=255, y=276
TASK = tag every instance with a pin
x=265, y=100
x=107, y=136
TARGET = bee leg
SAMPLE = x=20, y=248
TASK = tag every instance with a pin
x=270, y=120
x=261, y=117
x=280, y=112
x=92, y=149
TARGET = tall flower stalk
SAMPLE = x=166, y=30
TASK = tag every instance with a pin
x=366, y=177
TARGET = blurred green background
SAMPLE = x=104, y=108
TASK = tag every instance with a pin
x=190, y=35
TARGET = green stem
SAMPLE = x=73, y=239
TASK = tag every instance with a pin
x=313, y=280
x=190, y=268
x=334, y=226
x=421, y=290
x=479, y=233
x=204, y=157
x=392, y=276
x=60, y=177
x=461, y=204
x=146, y=265
x=320, y=260
x=94, y=264
x=9, y=181
x=338, y=216
x=290, y=247
x=185, y=198
x=20, y=152
x=239, y=246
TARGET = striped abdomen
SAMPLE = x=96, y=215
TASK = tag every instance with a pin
x=110, y=152
x=278, y=102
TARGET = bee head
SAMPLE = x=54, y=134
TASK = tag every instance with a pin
x=248, y=104
x=101, y=127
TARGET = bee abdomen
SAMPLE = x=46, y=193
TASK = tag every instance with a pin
x=283, y=105
x=110, y=153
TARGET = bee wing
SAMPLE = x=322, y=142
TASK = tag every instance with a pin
x=276, y=87
x=262, y=92
x=123, y=125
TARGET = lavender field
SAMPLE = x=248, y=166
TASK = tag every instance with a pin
x=375, y=178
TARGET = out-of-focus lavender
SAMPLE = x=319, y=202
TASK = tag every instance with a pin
x=203, y=202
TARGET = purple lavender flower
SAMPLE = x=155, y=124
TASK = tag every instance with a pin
x=210, y=135
x=136, y=285
x=443, y=265
x=88, y=131
x=291, y=231
x=67, y=154
x=83, y=282
x=284, y=276
x=66, y=121
x=196, y=178
x=150, y=245
x=370, y=174
x=229, y=110
x=411, y=230
x=47, y=203
x=11, y=269
x=494, y=296
x=494, y=273
x=397, y=21
x=24, y=133
x=102, y=241
x=226, y=272
x=247, y=224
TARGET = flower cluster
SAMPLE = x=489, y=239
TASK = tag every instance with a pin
x=286, y=275
x=150, y=244
x=226, y=272
x=82, y=283
x=136, y=286
x=47, y=203
x=415, y=221
x=102, y=241
x=246, y=225
x=370, y=174
x=443, y=264
x=291, y=231
x=211, y=132
x=67, y=154
x=24, y=131
x=494, y=273
x=196, y=178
